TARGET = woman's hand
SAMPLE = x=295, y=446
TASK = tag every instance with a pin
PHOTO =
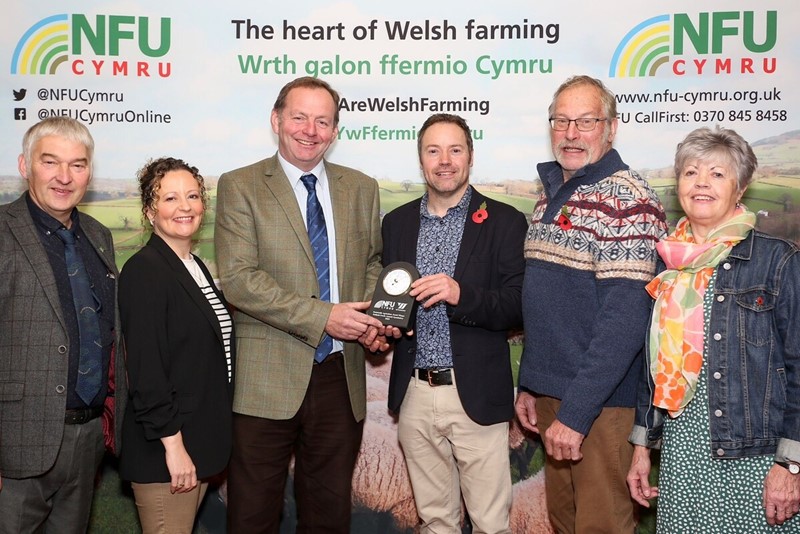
x=781, y=495
x=181, y=468
x=639, y=477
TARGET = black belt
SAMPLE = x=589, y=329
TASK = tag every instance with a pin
x=82, y=415
x=332, y=357
x=435, y=377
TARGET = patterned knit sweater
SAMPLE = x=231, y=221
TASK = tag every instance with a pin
x=590, y=250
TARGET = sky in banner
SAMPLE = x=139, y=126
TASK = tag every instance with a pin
x=170, y=78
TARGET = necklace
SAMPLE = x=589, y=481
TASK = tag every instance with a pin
x=195, y=271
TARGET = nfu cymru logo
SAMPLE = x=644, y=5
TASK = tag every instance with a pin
x=697, y=46
x=94, y=48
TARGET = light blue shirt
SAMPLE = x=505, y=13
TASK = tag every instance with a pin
x=324, y=196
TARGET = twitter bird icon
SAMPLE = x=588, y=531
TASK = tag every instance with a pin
x=19, y=95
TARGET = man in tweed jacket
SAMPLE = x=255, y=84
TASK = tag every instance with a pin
x=51, y=439
x=284, y=402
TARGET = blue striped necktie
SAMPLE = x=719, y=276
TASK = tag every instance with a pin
x=318, y=235
x=86, y=308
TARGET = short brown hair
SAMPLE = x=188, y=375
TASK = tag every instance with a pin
x=308, y=82
x=450, y=119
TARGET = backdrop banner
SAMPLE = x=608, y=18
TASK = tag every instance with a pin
x=197, y=82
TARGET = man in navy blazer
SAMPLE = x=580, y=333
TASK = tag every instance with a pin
x=451, y=380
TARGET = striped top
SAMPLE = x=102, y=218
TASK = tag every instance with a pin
x=224, y=318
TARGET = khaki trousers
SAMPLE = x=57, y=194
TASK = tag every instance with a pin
x=591, y=495
x=162, y=512
x=450, y=456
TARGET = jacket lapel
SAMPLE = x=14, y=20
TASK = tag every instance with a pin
x=176, y=265
x=24, y=230
x=411, y=232
x=342, y=214
x=96, y=240
x=278, y=184
x=472, y=232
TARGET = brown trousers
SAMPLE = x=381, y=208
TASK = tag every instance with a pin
x=324, y=438
x=591, y=495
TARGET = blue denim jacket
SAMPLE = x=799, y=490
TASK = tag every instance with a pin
x=753, y=356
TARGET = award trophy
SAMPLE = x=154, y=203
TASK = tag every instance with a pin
x=391, y=303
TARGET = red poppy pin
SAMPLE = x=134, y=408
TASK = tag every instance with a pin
x=563, y=219
x=759, y=301
x=480, y=214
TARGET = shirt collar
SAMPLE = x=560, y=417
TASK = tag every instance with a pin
x=46, y=222
x=610, y=163
x=462, y=205
x=294, y=174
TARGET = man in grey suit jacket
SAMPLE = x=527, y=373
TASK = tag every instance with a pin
x=51, y=431
x=289, y=400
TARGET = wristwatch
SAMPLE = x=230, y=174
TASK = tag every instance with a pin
x=792, y=467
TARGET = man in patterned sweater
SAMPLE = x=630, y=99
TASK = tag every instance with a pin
x=590, y=250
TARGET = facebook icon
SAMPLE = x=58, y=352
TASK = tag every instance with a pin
x=20, y=114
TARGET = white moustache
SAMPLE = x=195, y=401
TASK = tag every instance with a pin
x=566, y=144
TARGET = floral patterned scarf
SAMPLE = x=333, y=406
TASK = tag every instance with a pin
x=676, y=332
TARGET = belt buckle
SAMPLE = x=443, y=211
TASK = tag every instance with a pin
x=429, y=374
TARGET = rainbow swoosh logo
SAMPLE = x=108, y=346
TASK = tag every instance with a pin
x=43, y=47
x=643, y=49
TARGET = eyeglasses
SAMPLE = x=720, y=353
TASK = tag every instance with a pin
x=583, y=124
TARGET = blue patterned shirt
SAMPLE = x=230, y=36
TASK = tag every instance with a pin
x=438, y=244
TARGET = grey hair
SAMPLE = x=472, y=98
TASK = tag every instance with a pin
x=705, y=142
x=65, y=127
x=606, y=96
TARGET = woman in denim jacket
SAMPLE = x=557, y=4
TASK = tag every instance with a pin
x=721, y=393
